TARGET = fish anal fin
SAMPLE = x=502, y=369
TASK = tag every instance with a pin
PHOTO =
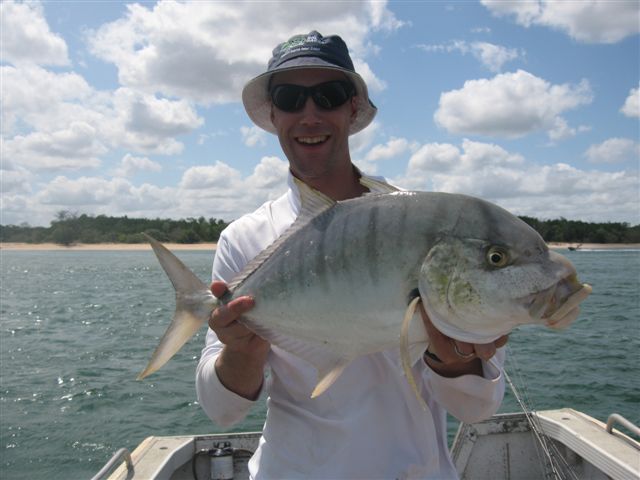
x=328, y=378
x=328, y=363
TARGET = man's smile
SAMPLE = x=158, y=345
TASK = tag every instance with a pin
x=313, y=140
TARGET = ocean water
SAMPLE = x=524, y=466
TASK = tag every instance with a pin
x=76, y=327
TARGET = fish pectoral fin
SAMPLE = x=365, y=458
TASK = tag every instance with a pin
x=405, y=353
x=329, y=376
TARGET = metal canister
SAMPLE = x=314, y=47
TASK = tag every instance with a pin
x=221, y=461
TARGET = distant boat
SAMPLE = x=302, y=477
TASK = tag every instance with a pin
x=573, y=249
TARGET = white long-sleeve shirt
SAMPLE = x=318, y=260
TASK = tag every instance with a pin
x=368, y=424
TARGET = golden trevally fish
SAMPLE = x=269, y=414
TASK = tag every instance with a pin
x=335, y=285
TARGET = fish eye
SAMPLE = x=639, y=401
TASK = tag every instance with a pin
x=497, y=257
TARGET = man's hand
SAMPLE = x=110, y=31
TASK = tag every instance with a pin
x=457, y=358
x=240, y=365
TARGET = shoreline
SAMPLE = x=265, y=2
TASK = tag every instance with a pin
x=12, y=246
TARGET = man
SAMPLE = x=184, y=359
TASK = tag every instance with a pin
x=368, y=424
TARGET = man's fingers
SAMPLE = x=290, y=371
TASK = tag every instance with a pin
x=502, y=341
x=218, y=288
x=455, y=351
x=485, y=351
x=229, y=313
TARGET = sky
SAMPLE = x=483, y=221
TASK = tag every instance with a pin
x=134, y=109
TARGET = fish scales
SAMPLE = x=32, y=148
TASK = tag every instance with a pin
x=345, y=241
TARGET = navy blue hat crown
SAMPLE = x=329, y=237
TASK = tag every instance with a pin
x=332, y=49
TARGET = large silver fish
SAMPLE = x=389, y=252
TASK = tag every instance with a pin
x=335, y=285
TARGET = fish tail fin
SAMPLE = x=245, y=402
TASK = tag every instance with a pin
x=194, y=304
x=405, y=351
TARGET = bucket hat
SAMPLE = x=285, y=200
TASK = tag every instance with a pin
x=302, y=52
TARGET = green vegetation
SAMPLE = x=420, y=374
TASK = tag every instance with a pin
x=69, y=228
x=574, y=231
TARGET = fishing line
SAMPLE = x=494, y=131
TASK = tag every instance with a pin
x=539, y=442
x=560, y=469
x=545, y=446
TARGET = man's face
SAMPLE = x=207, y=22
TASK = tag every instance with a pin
x=314, y=140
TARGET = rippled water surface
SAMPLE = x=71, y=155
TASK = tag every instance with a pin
x=77, y=327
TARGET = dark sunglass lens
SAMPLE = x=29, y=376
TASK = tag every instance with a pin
x=331, y=94
x=288, y=98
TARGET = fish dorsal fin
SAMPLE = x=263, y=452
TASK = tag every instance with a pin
x=312, y=204
x=377, y=186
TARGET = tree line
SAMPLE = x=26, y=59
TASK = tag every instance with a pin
x=69, y=228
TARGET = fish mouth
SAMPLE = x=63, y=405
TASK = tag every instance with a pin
x=558, y=305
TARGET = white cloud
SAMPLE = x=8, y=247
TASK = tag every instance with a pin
x=509, y=105
x=72, y=148
x=614, y=150
x=393, y=148
x=631, y=107
x=130, y=165
x=221, y=191
x=525, y=188
x=374, y=84
x=219, y=175
x=561, y=130
x=589, y=21
x=253, y=136
x=491, y=56
x=206, y=51
x=36, y=96
x=40, y=103
x=26, y=37
x=441, y=166
x=269, y=177
x=161, y=116
x=494, y=56
x=95, y=195
x=14, y=180
x=218, y=191
x=362, y=140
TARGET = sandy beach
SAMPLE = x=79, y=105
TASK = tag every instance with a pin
x=104, y=246
x=595, y=246
x=212, y=246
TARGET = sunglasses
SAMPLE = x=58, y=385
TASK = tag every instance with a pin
x=327, y=95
